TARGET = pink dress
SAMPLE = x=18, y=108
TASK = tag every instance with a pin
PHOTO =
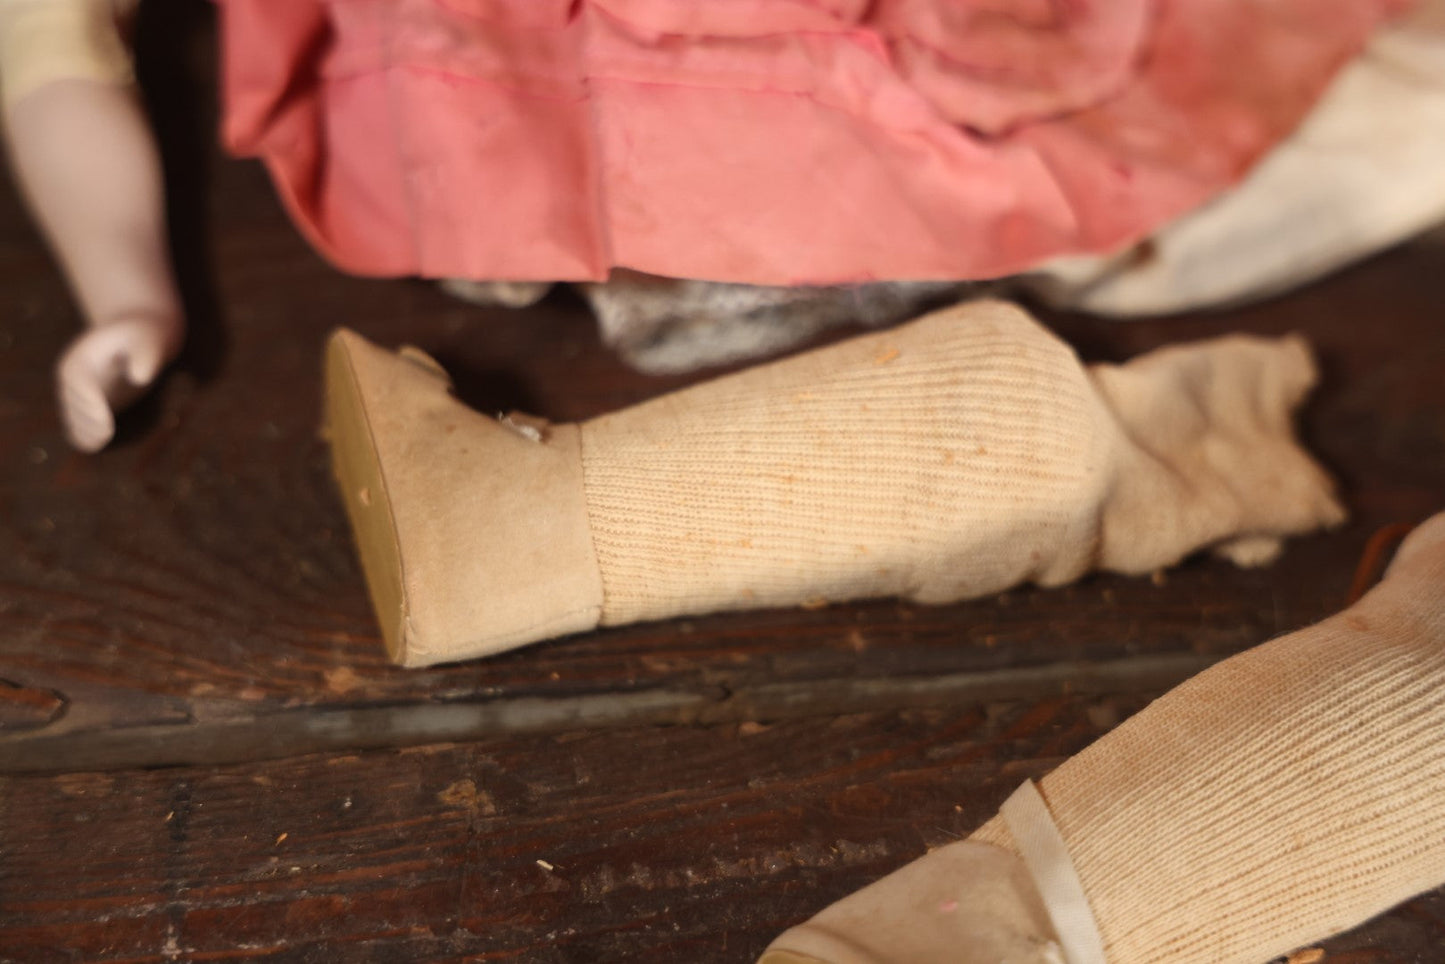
x=762, y=141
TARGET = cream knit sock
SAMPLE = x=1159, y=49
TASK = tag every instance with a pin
x=952, y=457
x=1282, y=796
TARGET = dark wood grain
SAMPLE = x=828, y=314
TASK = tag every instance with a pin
x=669, y=843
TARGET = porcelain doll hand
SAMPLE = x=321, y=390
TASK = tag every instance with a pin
x=107, y=368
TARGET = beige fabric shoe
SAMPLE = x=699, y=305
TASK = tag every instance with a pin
x=955, y=456
x=473, y=532
x=967, y=903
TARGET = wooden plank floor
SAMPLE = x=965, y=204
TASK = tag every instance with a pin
x=206, y=756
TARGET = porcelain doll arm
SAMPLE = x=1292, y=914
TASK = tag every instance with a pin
x=88, y=167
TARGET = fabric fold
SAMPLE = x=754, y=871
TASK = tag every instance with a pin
x=763, y=142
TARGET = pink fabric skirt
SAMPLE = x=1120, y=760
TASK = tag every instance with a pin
x=762, y=141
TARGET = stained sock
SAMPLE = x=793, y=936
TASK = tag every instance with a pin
x=952, y=457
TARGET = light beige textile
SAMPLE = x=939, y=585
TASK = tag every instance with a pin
x=1281, y=797
x=42, y=41
x=967, y=903
x=955, y=456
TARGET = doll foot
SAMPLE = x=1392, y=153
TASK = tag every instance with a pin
x=472, y=531
x=967, y=903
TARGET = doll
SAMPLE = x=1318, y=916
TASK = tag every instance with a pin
x=820, y=147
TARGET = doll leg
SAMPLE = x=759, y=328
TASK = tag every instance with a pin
x=82, y=152
x=952, y=457
x=1283, y=796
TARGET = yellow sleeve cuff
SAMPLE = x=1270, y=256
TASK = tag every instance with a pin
x=42, y=41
